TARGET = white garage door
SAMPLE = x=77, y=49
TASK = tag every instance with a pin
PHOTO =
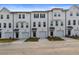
x=25, y=34
x=60, y=33
x=42, y=34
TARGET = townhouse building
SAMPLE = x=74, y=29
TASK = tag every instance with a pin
x=55, y=22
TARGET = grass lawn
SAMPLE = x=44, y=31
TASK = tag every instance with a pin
x=5, y=40
x=55, y=39
x=32, y=39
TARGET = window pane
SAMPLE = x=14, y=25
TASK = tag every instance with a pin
x=9, y=25
x=56, y=23
x=34, y=24
x=69, y=23
x=7, y=16
x=39, y=24
x=1, y=16
x=36, y=15
x=19, y=16
x=42, y=15
x=44, y=24
x=4, y=25
x=74, y=22
x=23, y=16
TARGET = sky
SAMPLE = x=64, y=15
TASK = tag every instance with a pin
x=34, y=7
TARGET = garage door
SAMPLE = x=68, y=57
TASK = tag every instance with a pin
x=25, y=34
x=60, y=33
x=42, y=34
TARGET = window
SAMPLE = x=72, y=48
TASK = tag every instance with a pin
x=16, y=25
x=26, y=26
x=78, y=22
x=55, y=14
x=71, y=14
x=42, y=15
x=61, y=23
x=44, y=24
x=21, y=25
x=59, y=15
x=51, y=23
x=34, y=24
x=1, y=16
x=4, y=25
x=77, y=14
x=23, y=16
x=9, y=25
x=19, y=16
x=7, y=16
x=39, y=24
x=56, y=23
x=74, y=22
x=36, y=15
x=69, y=23
x=0, y=25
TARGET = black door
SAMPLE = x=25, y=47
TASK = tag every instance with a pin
x=51, y=33
x=34, y=33
x=17, y=34
x=0, y=34
x=69, y=32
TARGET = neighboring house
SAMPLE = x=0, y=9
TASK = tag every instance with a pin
x=54, y=22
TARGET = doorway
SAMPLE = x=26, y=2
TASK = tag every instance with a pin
x=69, y=32
x=0, y=35
x=17, y=34
x=51, y=33
x=34, y=33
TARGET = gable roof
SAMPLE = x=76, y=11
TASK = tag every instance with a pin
x=4, y=9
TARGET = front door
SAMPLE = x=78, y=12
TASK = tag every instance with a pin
x=0, y=34
x=17, y=34
x=69, y=32
x=34, y=33
x=51, y=33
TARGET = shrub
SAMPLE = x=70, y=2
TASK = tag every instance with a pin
x=32, y=39
x=54, y=38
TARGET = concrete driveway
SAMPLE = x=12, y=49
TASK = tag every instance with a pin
x=69, y=47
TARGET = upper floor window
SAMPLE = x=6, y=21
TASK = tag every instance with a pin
x=74, y=22
x=55, y=14
x=0, y=25
x=36, y=15
x=71, y=14
x=7, y=16
x=4, y=25
x=34, y=24
x=1, y=16
x=44, y=24
x=61, y=23
x=19, y=16
x=78, y=22
x=51, y=23
x=59, y=15
x=9, y=25
x=69, y=23
x=39, y=24
x=42, y=15
x=77, y=14
x=56, y=23
x=21, y=25
x=23, y=16
x=16, y=25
